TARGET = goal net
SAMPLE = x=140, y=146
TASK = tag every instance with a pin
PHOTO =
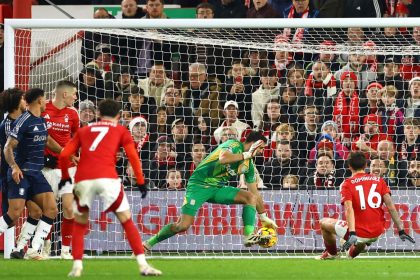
x=317, y=88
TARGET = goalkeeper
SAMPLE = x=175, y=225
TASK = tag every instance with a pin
x=208, y=184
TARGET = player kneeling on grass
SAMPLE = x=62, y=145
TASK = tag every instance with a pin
x=208, y=184
x=362, y=196
x=96, y=175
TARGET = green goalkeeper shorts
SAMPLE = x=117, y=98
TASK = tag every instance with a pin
x=197, y=195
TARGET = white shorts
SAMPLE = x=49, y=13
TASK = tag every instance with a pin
x=110, y=191
x=341, y=230
x=53, y=177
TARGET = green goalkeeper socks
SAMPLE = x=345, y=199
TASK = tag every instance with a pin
x=163, y=234
x=248, y=217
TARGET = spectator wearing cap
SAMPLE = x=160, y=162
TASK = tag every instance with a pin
x=182, y=140
x=138, y=128
x=161, y=160
x=269, y=89
x=156, y=84
x=326, y=56
x=358, y=65
x=392, y=115
x=231, y=119
x=412, y=106
x=119, y=88
x=282, y=164
x=229, y=8
x=140, y=105
x=372, y=134
x=174, y=108
x=204, y=10
x=262, y=9
x=391, y=76
x=1, y=61
x=130, y=9
x=346, y=108
x=87, y=112
x=299, y=9
x=409, y=147
x=329, y=131
x=91, y=85
x=369, y=101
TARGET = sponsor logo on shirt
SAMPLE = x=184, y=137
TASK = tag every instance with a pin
x=39, y=138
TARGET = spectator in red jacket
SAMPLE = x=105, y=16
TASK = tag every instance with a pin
x=346, y=108
x=321, y=79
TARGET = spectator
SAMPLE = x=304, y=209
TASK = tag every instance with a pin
x=280, y=5
x=129, y=178
x=198, y=87
x=355, y=37
x=130, y=9
x=102, y=13
x=272, y=117
x=364, y=8
x=161, y=161
x=370, y=104
x=154, y=9
x=261, y=9
x=329, y=132
x=173, y=181
x=357, y=64
x=255, y=61
x=102, y=61
x=156, y=84
x=298, y=9
x=346, y=108
x=138, y=130
x=389, y=35
x=181, y=139
x=202, y=130
x=282, y=164
x=409, y=148
x=413, y=174
x=386, y=152
x=229, y=8
x=91, y=85
x=283, y=62
x=125, y=118
x=329, y=8
x=296, y=78
x=327, y=56
x=227, y=133
x=119, y=88
x=284, y=132
x=410, y=64
x=307, y=132
x=161, y=127
x=289, y=104
x=377, y=167
x=372, y=134
x=87, y=112
x=325, y=175
x=140, y=105
x=204, y=10
x=392, y=77
x=198, y=153
x=413, y=102
x=268, y=90
x=290, y=182
x=174, y=108
x=392, y=116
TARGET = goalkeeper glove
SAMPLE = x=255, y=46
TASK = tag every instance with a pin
x=253, y=150
x=404, y=236
x=266, y=221
x=144, y=188
x=64, y=182
x=350, y=241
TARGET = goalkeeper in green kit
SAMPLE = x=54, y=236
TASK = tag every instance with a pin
x=208, y=184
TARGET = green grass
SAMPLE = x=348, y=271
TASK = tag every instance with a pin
x=215, y=269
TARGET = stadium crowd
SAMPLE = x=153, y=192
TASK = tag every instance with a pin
x=180, y=100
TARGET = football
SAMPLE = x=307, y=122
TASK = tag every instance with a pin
x=268, y=231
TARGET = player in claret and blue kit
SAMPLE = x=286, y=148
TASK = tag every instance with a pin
x=362, y=196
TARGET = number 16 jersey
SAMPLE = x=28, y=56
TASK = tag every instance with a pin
x=366, y=192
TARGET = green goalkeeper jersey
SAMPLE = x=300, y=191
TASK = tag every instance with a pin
x=211, y=173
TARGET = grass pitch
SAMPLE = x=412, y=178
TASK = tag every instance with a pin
x=215, y=269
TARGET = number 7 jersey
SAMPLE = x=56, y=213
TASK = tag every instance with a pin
x=99, y=144
x=366, y=192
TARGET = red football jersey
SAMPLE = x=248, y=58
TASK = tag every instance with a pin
x=62, y=124
x=99, y=143
x=366, y=192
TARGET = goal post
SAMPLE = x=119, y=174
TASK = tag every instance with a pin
x=289, y=45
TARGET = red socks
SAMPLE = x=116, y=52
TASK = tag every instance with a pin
x=332, y=249
x=133, y=236
x=79, y=231
x=66, y=231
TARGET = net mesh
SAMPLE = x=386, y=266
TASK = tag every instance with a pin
x=316, y=93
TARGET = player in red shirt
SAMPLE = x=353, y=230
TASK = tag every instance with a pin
x=362, y=196
x=62, y=122
x=96, y=175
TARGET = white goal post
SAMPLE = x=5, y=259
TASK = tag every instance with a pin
x=55, y=54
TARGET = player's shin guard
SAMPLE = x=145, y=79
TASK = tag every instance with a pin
x=66, y=233
x=41, y=233
x=79, y=231
x=28, y=230
x=163, y=234
x=133, y=236
x=5, y=223
x=248, y=217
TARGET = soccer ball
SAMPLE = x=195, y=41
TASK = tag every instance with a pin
x=268, y=231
